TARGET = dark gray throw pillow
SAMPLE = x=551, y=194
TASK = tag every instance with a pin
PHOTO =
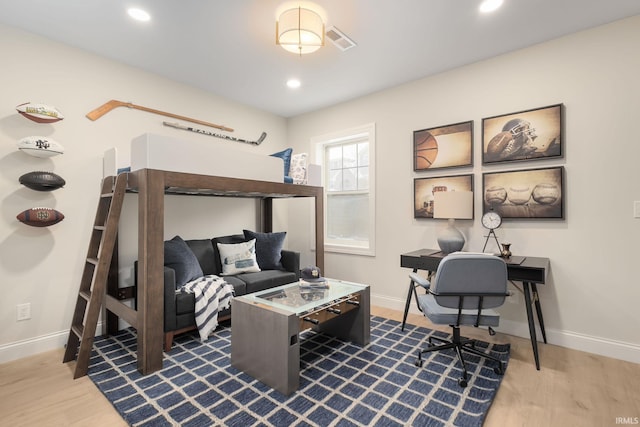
x=180, y=257
x=268, y=248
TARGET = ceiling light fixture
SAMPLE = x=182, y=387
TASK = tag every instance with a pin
x=490, y=5
x=293, y=83
x=300, y=30
x=139, y=14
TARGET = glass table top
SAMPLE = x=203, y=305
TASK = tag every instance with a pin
x=300, y=299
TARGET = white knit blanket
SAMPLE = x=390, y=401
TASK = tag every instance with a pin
x=213, y=294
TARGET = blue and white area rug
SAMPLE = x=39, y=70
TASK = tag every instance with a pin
x=341, y=384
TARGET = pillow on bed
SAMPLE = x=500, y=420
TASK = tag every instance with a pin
x=298, y=168
x=238, y=258
x=268, y=248
x=285, y=155
x=180, y=257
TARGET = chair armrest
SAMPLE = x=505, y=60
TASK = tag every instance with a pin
x=415, y=278
x=291, y=261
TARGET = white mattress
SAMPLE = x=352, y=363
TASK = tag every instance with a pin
x=161, y=152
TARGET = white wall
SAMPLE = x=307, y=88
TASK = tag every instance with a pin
x=591, y=298
x=43, y=266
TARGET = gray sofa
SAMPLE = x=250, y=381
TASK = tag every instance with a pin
x=179, y=306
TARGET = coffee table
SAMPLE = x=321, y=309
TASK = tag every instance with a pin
x=265, y=327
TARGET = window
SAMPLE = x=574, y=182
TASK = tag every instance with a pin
x=348, y=173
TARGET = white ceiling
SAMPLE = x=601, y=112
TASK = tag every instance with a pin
x=228, y=47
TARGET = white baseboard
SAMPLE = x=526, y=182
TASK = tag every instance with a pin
x=573, y=340
x=29, y=347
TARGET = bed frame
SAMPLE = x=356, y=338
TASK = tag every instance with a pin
x=151, y=185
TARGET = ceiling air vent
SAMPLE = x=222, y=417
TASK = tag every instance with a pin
x=340, y=39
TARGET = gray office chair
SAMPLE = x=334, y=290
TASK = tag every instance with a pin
x=465, y=288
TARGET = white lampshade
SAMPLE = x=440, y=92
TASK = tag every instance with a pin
x=452, y=205
x=300, y=30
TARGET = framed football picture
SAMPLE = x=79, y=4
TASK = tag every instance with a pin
x=525, y=135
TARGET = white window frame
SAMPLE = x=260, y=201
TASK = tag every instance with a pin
x=320, y=143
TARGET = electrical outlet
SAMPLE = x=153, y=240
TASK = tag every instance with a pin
x=23, y=311
x=636, y=209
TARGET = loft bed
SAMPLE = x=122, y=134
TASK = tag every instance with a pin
x=151, y=185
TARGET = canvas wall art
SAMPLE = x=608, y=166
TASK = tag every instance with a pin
x=443, y=147
x=533, y=193
x=525, y=135
x=424, y=188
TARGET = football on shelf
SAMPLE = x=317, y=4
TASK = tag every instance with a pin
x=40, y=146
x=42, y=181
x=40, y=217
x=40, y=113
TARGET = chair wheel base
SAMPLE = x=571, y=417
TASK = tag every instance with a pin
x=462, y=382
x=418, y=363
x=499, y=370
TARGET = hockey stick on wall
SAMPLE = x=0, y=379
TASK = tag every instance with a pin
x=110, y=105
x=217, y=135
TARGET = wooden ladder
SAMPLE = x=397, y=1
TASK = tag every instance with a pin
x=93, y=285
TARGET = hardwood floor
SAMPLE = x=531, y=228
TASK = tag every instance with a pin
x=572, y=388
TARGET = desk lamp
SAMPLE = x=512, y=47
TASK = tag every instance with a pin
x=452, y=205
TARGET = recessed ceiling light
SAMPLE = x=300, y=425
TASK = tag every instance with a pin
x=293, y=83
x=490, y=5
x=138, y=14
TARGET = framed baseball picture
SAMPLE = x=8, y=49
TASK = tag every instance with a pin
x=442, y=147
x=531, y=193
x=525, y=135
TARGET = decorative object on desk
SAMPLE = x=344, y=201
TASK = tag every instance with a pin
x=40, y=113
x=525, y=135
x=424, y=190
x=452, y=205
x=506, y=250
x=443, y=147
x=311, y=274
x=198, y=385
x=491, y=220
x=544, y=201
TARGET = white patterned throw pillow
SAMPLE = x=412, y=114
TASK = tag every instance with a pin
x=298, y=168
x=238, y=257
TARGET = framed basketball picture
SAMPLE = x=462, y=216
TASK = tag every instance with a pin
x=425, y=188
x=442, y=147
x=525, y=135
